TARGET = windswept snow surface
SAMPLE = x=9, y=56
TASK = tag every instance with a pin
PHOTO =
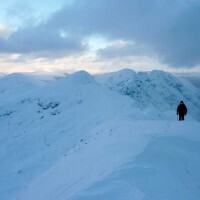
x=115, y=136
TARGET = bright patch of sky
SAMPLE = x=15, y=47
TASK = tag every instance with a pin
x=14, y=13
x=95, y=43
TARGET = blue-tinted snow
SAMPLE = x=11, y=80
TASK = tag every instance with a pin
x=115, y=136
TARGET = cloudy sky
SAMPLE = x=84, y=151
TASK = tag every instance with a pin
x=99, y=35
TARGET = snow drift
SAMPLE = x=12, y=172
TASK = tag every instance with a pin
x=114, y=136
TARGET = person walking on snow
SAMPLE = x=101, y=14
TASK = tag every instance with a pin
x=181, y=110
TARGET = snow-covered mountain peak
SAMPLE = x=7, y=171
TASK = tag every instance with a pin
x=16, y=84
x=71, y=84
x=14, y=76
x=124, y=75
x=81, y=77
x=158, y=73
x=125, y=72
x=18, y=79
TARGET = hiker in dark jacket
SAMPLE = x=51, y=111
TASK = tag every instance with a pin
x=181, y=110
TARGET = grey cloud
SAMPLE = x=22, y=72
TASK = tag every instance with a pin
x=182, y=42
x=123, y=50
x=170, y=29
x=114, y=18
x=40, y=39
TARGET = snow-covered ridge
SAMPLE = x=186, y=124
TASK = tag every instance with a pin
x=17, y=79
x=14, y=85
x=87, y=137
x=159, y=89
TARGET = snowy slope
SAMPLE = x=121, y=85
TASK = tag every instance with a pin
x=193, y=78
x=42, y=126
x=126, y=161
x=159, y=89
x=14, y=85
x=79, y=138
